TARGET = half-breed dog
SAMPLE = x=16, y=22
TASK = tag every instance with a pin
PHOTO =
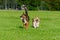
x=25, y=19
x=35, y=22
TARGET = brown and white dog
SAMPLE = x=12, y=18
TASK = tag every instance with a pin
x=35, y=22
x=25, y=19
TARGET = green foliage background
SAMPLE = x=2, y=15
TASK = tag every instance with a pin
x=32, y=4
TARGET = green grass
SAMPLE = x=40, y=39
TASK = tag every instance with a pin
x=11, y=26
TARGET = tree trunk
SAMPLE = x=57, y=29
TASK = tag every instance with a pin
x=6, y=4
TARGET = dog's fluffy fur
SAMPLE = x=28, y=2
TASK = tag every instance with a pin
x=35, y=22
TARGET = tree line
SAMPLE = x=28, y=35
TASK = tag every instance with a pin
x=31, y=4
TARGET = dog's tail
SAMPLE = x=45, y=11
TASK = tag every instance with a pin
x=26, y=10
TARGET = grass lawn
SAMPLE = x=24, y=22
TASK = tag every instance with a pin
x=11, y=27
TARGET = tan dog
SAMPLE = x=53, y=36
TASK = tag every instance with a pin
x=35, y=22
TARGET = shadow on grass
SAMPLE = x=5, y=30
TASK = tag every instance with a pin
x=21, y=27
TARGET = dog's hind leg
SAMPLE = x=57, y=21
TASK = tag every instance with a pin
x=26, y=26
